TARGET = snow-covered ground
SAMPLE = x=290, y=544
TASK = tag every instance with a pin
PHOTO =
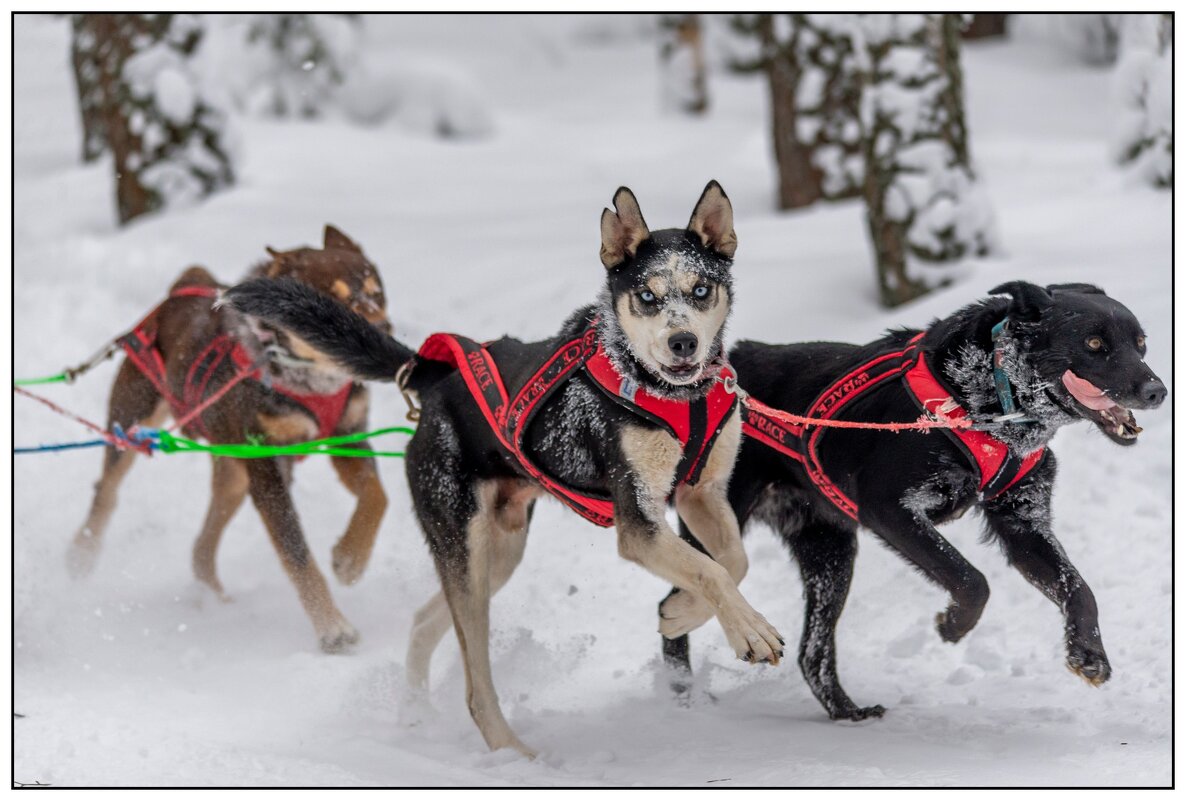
x=136, y=678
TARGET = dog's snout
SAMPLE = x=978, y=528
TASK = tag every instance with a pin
x=1152, y=392
x=683, y=344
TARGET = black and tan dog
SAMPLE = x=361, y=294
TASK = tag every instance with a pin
x=643, y=412
x=1019, y=368
x=187, y=349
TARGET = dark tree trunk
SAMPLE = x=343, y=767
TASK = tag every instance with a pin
x=814, y=100
x=162, y=152
x=682, y=54
x=986, y=26
x=799, y=181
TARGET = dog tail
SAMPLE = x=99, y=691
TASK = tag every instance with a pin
x=341, y=334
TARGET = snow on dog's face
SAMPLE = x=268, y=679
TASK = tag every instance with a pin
x=669, y=291
x=1088, y=351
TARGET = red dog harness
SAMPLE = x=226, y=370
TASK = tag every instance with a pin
x=999, y=468
x=140, y=346
x=695, y=424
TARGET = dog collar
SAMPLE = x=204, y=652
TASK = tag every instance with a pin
x=1009, y=411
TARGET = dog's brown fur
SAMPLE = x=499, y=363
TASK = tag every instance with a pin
x=186, y=325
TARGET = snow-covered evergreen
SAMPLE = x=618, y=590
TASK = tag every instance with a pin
x=293, y=64
x=814, y=95
x=168, y=135
x=85, y=54
x=925, y=204
x=1144, y=83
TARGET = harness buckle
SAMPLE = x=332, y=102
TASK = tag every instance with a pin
x=401, y=380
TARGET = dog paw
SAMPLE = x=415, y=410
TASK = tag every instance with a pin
x=951, y=624
x=516, y=744
x=415, y=708
x=681, y=613
x=347, y=566
x=338, y=637
x=82, y=555
x=1089, y=664
x=857, y=712
x=753, y=639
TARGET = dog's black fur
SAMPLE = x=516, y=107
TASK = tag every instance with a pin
x=907, y=484
x=472, y=497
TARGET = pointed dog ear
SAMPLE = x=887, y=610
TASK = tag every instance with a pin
x=336, y=240
x=1028, y=302
x=712, y=221
x=622, y=230
x=1085, y=289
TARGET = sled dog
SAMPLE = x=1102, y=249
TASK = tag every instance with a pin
x=629, y=405
x=1020, y=367
x=186, y=350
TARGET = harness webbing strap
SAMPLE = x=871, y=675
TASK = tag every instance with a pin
x=786, y=438
x=140, y=346
x=998, y=467
x=696, y=425
x=484, y=381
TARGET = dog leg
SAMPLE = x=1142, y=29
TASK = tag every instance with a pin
x=513, y=504
x=1020, y=521
x=645, y=537
x=915, y=538
x=825, y=554
x=228, y=490
x=743, y=497
x=269, y=492
x=468, y=592
x=704, y=508
x=706, y=511
x=134, y=401
x=431, y=622
x=353, y=551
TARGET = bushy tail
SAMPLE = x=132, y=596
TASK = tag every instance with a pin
x=324, y=323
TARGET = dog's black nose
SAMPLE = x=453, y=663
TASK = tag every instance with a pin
x=683, y=344
x=1153, y=392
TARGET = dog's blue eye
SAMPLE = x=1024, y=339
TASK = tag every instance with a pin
x=700, y=292
x=647, y=296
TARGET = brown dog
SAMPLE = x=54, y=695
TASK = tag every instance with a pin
x=186, y=350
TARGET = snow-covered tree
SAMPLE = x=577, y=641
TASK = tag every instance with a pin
x=925, y=206
x=166, y=135
x=814, y=99
x=1094, y=37
x=295, y=62
x=86, y=53
x=1144, y=80
x=681, y=50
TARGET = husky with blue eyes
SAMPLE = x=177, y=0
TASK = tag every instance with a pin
x=630, y=405
x=663, y=319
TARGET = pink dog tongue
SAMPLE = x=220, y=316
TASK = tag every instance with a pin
x=1086, y=392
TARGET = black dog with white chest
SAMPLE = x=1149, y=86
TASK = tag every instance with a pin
x=642, y=415
x=1019, y=368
